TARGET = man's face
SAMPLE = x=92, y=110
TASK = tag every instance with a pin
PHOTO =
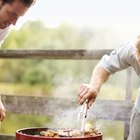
x=10, y=12
x=137, y=56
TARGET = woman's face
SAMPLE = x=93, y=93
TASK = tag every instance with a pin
x=137, y=55
x=10, y=13
x=137, y=49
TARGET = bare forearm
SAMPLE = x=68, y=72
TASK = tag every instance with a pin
x=89, y=91
x=99, y=76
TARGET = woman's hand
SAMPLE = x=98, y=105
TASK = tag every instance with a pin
x=86, y=91
x=2, y=111
x=89, y=91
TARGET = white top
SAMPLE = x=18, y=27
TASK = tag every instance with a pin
x=120, y=59
x=3, y=34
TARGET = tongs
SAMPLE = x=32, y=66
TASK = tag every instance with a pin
x=82, y=116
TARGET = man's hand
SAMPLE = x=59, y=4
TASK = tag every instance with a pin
x=86, y=91
x=2, y=111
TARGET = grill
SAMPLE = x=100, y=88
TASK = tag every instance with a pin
x=34, y=134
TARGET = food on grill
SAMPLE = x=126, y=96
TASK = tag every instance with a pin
x=70, y=133
x=49, y=133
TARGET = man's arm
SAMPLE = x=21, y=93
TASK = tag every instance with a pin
x=89, y=91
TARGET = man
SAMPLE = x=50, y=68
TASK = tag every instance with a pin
x=127, y=55
x=10, y=11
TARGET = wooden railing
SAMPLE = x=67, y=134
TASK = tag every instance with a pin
x=31, y=105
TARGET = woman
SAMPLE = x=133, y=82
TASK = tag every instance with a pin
x=128, y=55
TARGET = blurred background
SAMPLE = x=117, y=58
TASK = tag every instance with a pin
x=67, y=24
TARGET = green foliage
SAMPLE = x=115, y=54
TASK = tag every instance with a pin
x=34, y=35
x=15, y=121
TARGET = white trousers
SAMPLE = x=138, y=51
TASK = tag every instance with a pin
x=134, y=133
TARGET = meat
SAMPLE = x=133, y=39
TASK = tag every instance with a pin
x=70, y=133
x=49, y=133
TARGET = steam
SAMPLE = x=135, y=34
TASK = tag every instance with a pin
x=68, y=119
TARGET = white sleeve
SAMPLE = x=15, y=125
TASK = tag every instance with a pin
x=119, y=59
x=3, y=34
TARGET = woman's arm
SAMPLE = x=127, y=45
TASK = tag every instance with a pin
x=2, y=111
x=89, y=91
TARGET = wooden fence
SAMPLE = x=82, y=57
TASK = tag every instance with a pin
x=40, y=105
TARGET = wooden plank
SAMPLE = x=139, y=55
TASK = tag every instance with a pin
x=101, y=109
x=53, y=54
x=111, y=110
x=37, y=105
x=7, y=137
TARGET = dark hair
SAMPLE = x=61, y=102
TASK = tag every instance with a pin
x=27, y=3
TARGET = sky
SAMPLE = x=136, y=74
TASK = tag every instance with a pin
x=85, y=12
x=123, y=16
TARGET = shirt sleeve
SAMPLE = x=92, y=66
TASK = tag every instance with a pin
x=118, y=59
x=3, y=35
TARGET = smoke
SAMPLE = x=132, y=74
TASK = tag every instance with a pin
x=67, y=119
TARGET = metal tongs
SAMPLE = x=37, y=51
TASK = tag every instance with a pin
x=82, y=116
